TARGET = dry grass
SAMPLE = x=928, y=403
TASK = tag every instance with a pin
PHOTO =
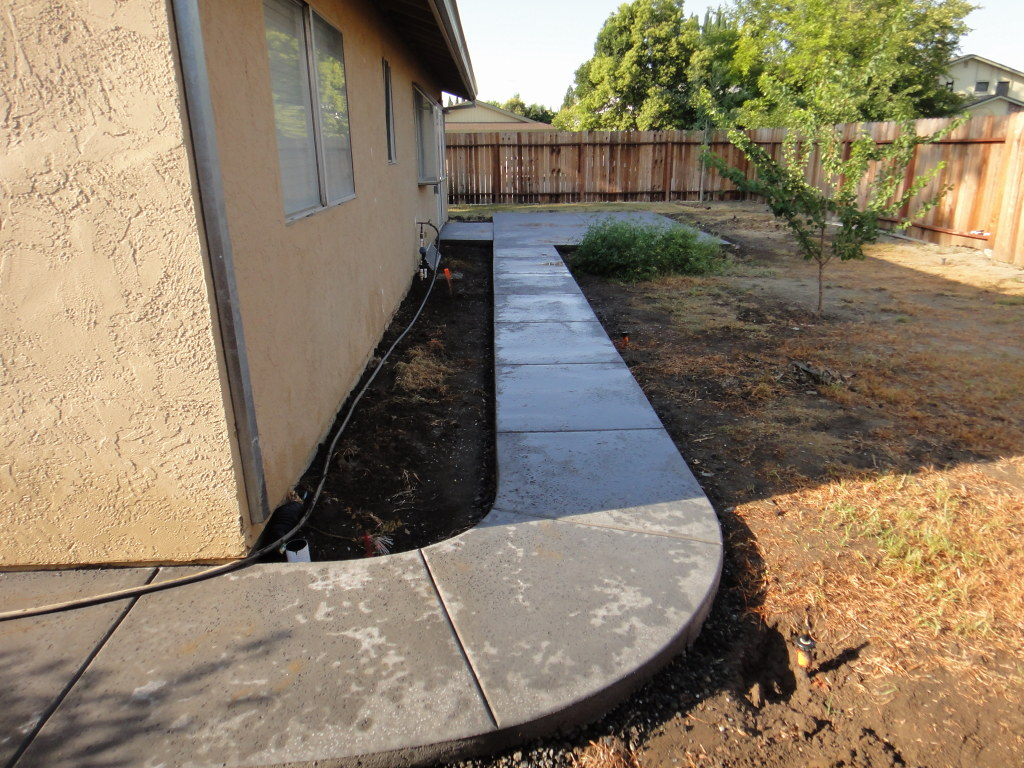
x=925, y=563
x=930, y=560
x=937, y=385
x=425, y=370
x=600, y=754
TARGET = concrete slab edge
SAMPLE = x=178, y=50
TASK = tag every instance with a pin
x=573, y=714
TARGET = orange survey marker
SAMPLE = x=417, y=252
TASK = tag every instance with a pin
x=448, y=277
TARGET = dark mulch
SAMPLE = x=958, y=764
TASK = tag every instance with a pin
x=416, y=462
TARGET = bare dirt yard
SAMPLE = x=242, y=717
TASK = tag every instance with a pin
x=867, y=466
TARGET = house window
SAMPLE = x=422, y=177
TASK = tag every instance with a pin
x=949, y=86
x=981, y=86
x=307, y=78
x=429, y=138
x=1003, y=88
x=389, y=114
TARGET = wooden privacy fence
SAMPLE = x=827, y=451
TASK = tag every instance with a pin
x=984, y=166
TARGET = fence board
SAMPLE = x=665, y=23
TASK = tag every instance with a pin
x=982, y=163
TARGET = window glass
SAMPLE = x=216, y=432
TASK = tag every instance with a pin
x=981, y=86
x=429, y=138
x=311, y=115
x=389, y=114
x=293, y=113
x=333, y=108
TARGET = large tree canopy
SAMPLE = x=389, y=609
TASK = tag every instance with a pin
x=844, y=60
x=636, y=79
x=537, y=112
x=849, y=60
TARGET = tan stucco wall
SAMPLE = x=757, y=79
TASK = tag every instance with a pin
x=315, y=294
x=116, y=440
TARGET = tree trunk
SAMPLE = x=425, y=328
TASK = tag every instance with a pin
x=821, y=286
x=821, y=269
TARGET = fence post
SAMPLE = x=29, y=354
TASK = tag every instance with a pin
x=1008, y=243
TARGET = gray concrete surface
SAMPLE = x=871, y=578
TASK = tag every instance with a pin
x=553, y=342
x=552, y=613
x=39, y=658
x=272, y=665
x=598, y=563
x=629, y=479
x=570, y=398
x=467, y=232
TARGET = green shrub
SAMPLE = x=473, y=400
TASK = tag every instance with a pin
x=632, y=252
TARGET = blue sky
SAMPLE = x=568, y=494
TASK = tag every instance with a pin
x=533, y=47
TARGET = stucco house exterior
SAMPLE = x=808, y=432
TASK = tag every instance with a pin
x=990, y=88
x=209, y=218
x=474, y=116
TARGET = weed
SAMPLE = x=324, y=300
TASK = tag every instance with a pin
x=634, y=252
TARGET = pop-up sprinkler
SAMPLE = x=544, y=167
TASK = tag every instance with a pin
x=805, y=646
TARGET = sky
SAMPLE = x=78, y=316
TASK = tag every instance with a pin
x=533, y=47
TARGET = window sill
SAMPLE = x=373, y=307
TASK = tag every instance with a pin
x=319, y=209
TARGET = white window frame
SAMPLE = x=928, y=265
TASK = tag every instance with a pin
x=309, y=42
x=389, y=114
x=430, y=166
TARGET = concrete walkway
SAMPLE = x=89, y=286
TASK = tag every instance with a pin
x=597, y=564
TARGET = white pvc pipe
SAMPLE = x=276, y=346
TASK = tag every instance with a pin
x=297, y=551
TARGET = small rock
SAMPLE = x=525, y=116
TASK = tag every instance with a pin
x=756, y=696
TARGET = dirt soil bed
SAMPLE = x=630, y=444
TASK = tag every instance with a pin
x=415, y=464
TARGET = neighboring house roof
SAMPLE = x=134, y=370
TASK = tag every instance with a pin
x=491, y=127
x=433, y=28
x=987, y=99
x=983, y=60
x=477, y=116
x=497, y=114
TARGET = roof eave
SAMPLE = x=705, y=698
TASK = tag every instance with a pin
x=447, y=13
x=432, y=30
x=991, y=63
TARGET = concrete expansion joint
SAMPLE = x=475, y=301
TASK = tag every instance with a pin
x=455, y=634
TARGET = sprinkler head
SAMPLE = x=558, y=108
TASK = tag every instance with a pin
x=806, y=643
x=805, y=646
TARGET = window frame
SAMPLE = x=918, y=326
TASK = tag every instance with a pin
x=313, y=94
x=981, y=86
x=389, y=114
x=437, y=126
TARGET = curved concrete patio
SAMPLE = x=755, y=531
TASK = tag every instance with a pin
x=598, y=563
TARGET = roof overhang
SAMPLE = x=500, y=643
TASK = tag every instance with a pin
x=983, y=60
x=987, y=99
x=433, y=31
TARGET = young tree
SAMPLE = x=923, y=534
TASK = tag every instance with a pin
x=851, y=168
